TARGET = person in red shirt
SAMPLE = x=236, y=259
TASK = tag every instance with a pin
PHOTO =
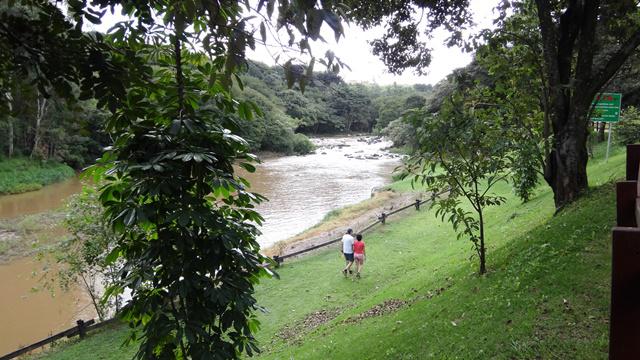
x=358, y=254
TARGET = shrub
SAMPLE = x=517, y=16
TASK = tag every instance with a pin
x=302, y=144
x=20, y=175
x=400, y=133
x=628, y=130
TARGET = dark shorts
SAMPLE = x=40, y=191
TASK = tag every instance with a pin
x=348, y=257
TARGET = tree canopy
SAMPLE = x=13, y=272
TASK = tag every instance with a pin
x=577, y=46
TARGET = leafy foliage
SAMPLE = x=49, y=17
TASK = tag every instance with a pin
x=628, y=130
x=462, y=153
x=19, y=175
x=578, y=46
x=184, y=222
x=83, y=256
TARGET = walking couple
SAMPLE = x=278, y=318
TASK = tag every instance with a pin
x=353, y=251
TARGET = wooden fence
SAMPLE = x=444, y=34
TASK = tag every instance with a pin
x=382, y=219
x=624, y=325
x=81, y=329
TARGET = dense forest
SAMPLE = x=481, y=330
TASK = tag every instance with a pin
x=73, y=133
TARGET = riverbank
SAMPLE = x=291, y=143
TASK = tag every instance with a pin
x=20, y=175
x=546, y=294
x=356, y=216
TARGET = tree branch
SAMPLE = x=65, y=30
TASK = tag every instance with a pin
x=615, y=62
x=586, y=49
x=455, y=179
x=549, y=40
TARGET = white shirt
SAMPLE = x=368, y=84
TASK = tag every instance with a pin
x=347, y=244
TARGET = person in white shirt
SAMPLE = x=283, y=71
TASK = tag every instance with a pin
x=347, y=250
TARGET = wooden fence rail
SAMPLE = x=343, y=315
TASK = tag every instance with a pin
x=381, y=220
x=624, y=324
x=81, y=329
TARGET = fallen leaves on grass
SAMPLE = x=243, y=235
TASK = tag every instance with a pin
x=295, y=332
x=386, y=307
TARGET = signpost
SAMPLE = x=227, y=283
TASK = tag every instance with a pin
x=606, y=108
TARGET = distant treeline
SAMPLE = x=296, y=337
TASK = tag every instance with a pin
x=53, y=129
x=328, y=105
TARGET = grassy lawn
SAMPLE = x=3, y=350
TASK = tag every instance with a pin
x=546, y=294
x=20, y=175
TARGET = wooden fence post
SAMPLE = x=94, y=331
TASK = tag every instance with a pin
x=624, y=333
x=624, y=337
x=277, y=259
x=81, y=329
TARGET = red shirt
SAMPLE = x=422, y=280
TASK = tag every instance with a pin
x=358, y=247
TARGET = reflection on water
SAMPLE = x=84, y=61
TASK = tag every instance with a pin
x=28, y=315
x=303, y=189
x=48, y=198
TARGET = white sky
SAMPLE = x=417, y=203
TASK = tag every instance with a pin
x=353, y=49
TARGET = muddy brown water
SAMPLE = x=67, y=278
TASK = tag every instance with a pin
x=48, y=198
x=29, y=313
x=301, y=191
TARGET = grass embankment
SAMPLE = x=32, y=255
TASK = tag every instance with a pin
x=337, y=221
x=546, y=294
x=20, y=175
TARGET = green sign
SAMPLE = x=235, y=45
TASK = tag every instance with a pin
x=606, y=107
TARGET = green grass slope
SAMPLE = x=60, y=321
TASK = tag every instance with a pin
x=20, y=175
x=546, y=294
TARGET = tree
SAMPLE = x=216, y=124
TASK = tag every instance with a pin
x=462, y=153
x=184, y=221
x=628, y=132
x=576, y=67
x=83, y=255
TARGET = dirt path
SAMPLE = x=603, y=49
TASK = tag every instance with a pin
x=356, y=216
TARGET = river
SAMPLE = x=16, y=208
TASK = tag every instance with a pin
x=300, y=189
x=303, y=189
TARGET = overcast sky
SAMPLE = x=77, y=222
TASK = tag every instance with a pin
x=354, y=50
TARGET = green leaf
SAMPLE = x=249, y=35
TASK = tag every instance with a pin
x=114, y=255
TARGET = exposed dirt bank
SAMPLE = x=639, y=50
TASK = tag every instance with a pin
x=356, y=216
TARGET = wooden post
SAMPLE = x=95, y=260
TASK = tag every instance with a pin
x=633, y=161
x=81, y=329
x=277, y=259
x=626, y=203
x=624, y=333
x=417, y=204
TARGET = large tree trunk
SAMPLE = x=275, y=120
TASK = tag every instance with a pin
x=573, y=81
x=566, y=165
